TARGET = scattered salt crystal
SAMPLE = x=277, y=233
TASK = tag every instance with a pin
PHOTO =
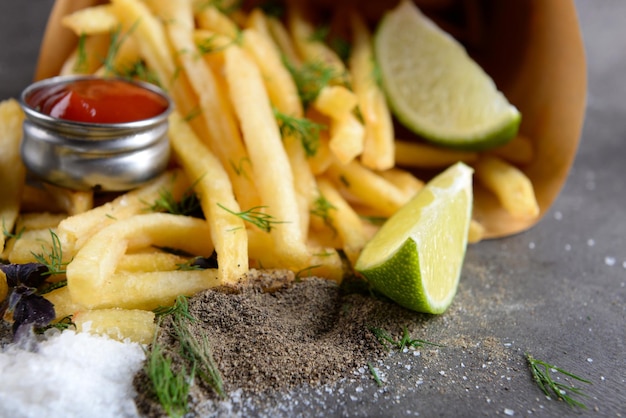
x=359, y=389
x=509, y=412
x=419, y=382
x=408, y=367
x=624, y=264
x=442, y=372
x=591, y=242
x=602, y=378
x=558, y=215
x=568, y=247
x=417, y=353
x=609, y=261
x=531, y=245
x=590, y=360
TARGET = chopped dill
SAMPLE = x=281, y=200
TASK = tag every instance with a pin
x=171, y=388
x=212, y=44
x=405, y=342
x=322, y=208
x=307, y=131
x=61, y=325
x=374, y=373
x=311, y=77
x=52, y=286
x=306, y=272
x=80, y=66
x=189, y=204
x=180, y=308
x=193, y=113
x=540, y=371
x=239, y=168
x=262, y=220
x=9, y=234
x=54, y=259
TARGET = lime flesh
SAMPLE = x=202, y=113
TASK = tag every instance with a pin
x=435, y=88
x=416, y=257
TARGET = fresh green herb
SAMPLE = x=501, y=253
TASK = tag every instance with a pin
x=320, y=34
x=54, y=259
x=342, y=47
x=117, y=39
x=212, y=44
x=52, y=286
x=188, y=205
x=311, y=77
x=405, y=342
x=376, y=74
x=306, y=271
x=307, y=131
x=171, y=388
x=9, y=234
x=80, y=66
x=262, y=220
x=374, y=373
x=322, y=208
x=541, y=370
x=239, y=168
x=180, y=309
x=61, y=325
x=193, y=113
x=375, y=220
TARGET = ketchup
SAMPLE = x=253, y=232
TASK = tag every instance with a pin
x=98, y=101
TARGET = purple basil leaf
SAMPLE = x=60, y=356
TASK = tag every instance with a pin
x=33, y=309
x=29, y=274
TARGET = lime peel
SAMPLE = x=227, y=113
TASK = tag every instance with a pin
x=435, y=88
x=416, y=257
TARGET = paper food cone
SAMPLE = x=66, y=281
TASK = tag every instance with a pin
x=532, y=48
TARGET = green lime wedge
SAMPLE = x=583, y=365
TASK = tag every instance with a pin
x=435, y=88
x=416, y=257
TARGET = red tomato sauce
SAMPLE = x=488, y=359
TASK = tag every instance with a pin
x=98, y=101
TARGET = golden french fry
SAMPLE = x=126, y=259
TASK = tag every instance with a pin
x=4, y=288
x=344, y=220
x=378, y=148
x=64, y=306
x=217, y=199
x=144, y=262
x=88, y=56
x=337, y=102
x=134, y=325
x=91, y=275
x=476, y=232
x=95, y=20
x=12, y=171
x=346, y=138
x=74, y=231
x=30, y=244
x=210, y=18
x=517, y=151
x=368, y=187
x=404, y=180
x=270, y=162
x=511, y=186
x=281, y=88
x=44, y=220
x=73, y=202
x=281, y=36
x=419, y=155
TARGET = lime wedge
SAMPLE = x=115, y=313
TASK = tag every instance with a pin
x=435, y=88
x=416, y=257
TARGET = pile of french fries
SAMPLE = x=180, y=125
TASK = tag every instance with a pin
x=270, y=199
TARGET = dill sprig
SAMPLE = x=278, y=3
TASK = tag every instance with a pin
x=188, y=205
x=311, y=77
x=540, y=371
x=80, y=66
x=321, y=208
x=9, y=234
x=171, y=388
x=374, y=373
x=262, y=220
x=53, y=260
x=61, y=325
x=213, y=43
x=405, y=342
x=303, y=129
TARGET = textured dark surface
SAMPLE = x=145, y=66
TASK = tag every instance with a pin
x=557, y=291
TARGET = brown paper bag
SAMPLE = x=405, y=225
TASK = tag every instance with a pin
x=532, y=48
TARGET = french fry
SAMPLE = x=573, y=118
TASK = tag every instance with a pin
x=476, y=232
x=517, y=151
x=281, y=36
x=223, y=136
x=419, y=155
x=12, y=171
x=31, y=243
x=135, y=325
x=143, y=262
x=337, y=102
x=344, y=220
x=404, y=180
x=270, y=163
x=74, y=231
x=368, y=187
x=216, y=197
x=95, y=20
x=378, y=147
x=88, y=56
x=4, y=288
x=511, y=186
x=64, y=306
x=91, y=275
x=73, y=202
x=346, y=138
x=210, y=18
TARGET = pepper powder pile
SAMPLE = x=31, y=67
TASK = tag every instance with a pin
x=276, y=334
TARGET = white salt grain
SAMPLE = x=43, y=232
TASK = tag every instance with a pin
x=609, y=261
x=558, y=215
x=591, y=242
x=70, y=375
x=509, y=412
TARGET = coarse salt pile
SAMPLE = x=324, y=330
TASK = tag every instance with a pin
x=69, y=375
